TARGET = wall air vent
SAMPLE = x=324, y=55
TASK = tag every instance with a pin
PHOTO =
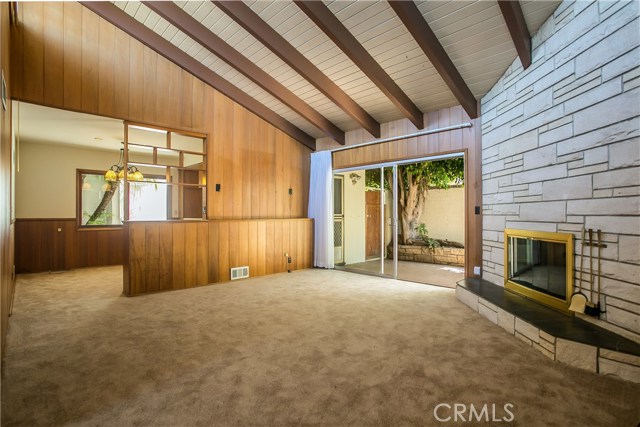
x=240, y=272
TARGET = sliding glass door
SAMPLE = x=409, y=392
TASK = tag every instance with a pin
x=363, y=220
x=404, y=220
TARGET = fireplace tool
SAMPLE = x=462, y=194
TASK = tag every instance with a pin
x=592, y=309
x=578, y=299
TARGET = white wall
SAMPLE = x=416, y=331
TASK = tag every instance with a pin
x=46, y=182
x=444, y=214
x=354, y=219
x=560, y=146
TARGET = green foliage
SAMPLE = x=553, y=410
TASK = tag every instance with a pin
x=438, y=173
x=423, y=234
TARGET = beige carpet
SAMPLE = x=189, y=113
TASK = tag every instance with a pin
x=311, y=348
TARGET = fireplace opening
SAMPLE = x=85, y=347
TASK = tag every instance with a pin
x=539, y=265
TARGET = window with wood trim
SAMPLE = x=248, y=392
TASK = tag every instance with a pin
x=179, y=156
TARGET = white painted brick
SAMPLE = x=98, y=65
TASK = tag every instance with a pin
x=624, y=154
x=576, y=354
x=540, y=157
x=533, y=226
x=631, y=84
x=567, y=188
x=538, y=120
x=629, y=251
x=486, y=312
x=591, y=97
x=496, y=136
x=493, y=222
x=617, y=178
x=608, y=49
x=547, y=345
x=560, y=73
x=488, y=168
x=588, y=170
x=555, y=135
x=626, y=191
x=616, y=109
x=621, y=65
x=506, y=209
x=578, y=87
x=523, y=338
x=620, y=357
x=547, y=337
x=620, y=270
x=595, y=156
x=599, y=194
x=541, y=174
x=468, y=298
x=623, y=318
x=544, y=351
x=528, y=330
x=607, y=135
x=543, y=211
x=535, y=188
x=617, y=206
x=615, y=224
x=519, y=144
x=572, y=31
x=506, y=321
x=622, y=370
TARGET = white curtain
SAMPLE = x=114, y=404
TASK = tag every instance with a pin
x=321, y=208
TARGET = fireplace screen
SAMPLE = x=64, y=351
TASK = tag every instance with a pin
x=540, y=266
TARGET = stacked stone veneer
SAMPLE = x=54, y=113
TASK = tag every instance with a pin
x=594, y=359
x=561, y=149
x=448, y=256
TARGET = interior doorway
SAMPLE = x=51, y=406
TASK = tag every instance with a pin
x=404, y=220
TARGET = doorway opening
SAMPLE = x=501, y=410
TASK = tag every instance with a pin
x=404, y=220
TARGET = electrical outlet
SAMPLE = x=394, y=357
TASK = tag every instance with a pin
x=289, y=260
x=476, y=271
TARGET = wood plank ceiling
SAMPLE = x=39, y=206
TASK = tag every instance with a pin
x=368, y=66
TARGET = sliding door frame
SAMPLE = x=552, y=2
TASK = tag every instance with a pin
x=394, y=209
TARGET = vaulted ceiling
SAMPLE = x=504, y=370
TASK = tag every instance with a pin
x=328, y=67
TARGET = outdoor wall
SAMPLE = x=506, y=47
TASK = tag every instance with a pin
x=444, y=214
x=560, y=145
x=354, y=219
x=46, y=182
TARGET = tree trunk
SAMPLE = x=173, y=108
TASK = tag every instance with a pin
x=106, y=199
x=411, y=201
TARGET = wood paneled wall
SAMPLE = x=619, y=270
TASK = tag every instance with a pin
x=182, y=254
x=58, y=244
x=68, y=57
x=467, y=140
x=6, y=228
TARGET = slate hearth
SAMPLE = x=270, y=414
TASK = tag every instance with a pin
x=559, y=336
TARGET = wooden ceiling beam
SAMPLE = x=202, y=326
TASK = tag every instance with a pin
x=111, y=13
x=214, y=44
x=514, y=18
x=413, y=20
x=320, y=14
x=252, y=23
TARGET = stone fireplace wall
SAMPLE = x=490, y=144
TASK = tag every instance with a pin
x=561, y=148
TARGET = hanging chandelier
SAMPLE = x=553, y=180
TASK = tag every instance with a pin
x=116, y=172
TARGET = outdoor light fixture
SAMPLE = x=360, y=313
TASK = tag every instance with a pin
x=354, y=178
x=116, y=172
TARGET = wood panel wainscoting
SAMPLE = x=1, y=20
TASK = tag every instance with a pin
x=58, y=244
x=170, y=255
x=465, y=140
